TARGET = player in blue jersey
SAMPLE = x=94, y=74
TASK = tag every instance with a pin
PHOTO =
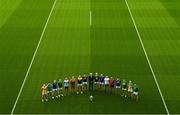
x=54, y=90
x=66, y=86
x=60, y=88
x=101, y=80
x=118, y=85
x=85, y=81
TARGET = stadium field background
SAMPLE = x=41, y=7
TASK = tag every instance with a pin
x=89, y=36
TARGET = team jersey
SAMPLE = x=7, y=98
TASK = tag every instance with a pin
x=73, y=82
x=135, y=88
x=118, y=83
x=130, y=84
x=91, y=78
x=96, y=78
x=102, y=78
x=44, y=89
x=80, y=80
x=54, y=86
x=49, y=87
x=106, y=80
x=84, y=78
x=111, y=82
x=60, y=84
x=66, y=83
x=124, y=85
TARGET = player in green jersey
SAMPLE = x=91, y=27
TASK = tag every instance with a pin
x=60, y=89
x=130, y=89
x=124, y=88
x=49, y=90
x=135, y=92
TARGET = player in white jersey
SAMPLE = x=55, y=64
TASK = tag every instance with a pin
x=66, y=86
x=106, y=82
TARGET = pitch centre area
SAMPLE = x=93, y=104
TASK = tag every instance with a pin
x=84, y=36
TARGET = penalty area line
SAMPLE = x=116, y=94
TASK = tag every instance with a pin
x=147, y=58
x=34, y=55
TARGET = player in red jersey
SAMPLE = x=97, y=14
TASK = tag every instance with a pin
x=73, y=84
x=111, y=85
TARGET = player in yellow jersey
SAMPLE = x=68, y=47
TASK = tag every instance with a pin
x=80, y=81
x=44, y=92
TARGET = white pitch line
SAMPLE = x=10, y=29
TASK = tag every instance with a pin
x=90, y=18
x=150, y=66
x=29, y=68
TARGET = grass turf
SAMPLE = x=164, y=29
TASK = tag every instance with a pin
x=70, y=47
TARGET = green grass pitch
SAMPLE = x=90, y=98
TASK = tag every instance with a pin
x=71, y=42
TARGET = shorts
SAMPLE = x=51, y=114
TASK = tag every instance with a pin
x=66, y=87
x=60, y=89
x=130, y=90
x=44, y=93
x=111, y=86
x=85, y=83
x=95, y=82
x=135, y=93
x=118, y=87
x=49, y=92
x=79, y=85
x=124, y=89
x=73, y=87
x=54, y=90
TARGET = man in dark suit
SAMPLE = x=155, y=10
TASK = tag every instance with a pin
x=91, y=82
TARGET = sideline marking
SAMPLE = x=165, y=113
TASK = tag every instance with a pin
x=29, y=68
x=150, y=66
x=90, y=18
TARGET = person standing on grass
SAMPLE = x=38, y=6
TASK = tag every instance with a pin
x=135, y=92
x=130, y=89
x=118, y=86
x=60, y=89
x=49, y=90
x=85, y=79
x=111, y=85
x=102, y=77
x=44, y=92
x=66, y=86
x=91, y=82
x=124, y=88
x=106, y=82
x=96, y=80
x=73, y=84
x=55, y=92
x=80, y=85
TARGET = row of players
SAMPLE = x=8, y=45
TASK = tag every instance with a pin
x=98, y=81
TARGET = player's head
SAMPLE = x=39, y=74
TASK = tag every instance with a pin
x=96, y=73
x=72, y=77
x=44, y=84
x=90, y=73
x=101, y=74
x=66, y=78
x=117, y=78
x=130, y=81
x=106, y=76
x=54, y=81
